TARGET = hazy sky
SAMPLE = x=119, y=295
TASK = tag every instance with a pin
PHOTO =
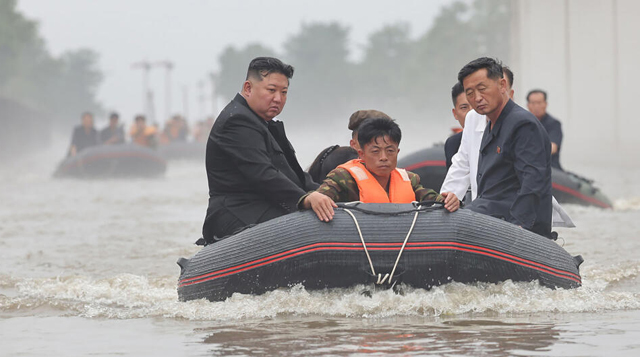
x=193, y=33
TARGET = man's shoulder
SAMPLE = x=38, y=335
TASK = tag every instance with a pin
x=453, y=140
x=551, y=120
x=339, y=173
x=520, y=116
x=235, y=113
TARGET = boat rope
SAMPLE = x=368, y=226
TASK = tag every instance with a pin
x=415, y=218
x=389, y=276
x=364, y=245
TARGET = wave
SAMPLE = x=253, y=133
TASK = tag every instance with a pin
x=627, y=204
x=128, y=296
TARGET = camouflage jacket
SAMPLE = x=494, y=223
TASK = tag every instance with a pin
x=340, y=186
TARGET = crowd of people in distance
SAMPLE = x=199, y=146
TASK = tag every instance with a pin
x=176, y=129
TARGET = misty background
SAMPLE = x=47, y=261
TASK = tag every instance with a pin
x=59, y=59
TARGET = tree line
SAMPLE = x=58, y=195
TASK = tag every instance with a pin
x=58, y=88
x=409, y=77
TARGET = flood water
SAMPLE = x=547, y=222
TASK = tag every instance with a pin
x=89, y=267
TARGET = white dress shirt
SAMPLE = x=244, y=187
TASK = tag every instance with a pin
x=464, y=164
x=464, y=167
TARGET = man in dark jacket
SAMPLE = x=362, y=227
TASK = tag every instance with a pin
x=514, y=168
x=537, y=104
x=252, y=169
x=114, y=133
x=84, y=135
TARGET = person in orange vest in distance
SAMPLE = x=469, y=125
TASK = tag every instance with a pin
x=374, y=177
x=143, y=134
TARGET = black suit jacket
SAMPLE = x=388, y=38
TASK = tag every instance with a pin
x=514, y=171
x=251, y=166
x=451, y=147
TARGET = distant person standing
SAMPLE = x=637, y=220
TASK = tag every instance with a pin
x=537, y=104
x=143, y=134
x=84, y=135
x=460, y=109
x=114, y=133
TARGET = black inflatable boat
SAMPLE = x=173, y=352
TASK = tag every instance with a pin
x=108, y=161
x=416, y=245
x=183, y=151
x=567, y=187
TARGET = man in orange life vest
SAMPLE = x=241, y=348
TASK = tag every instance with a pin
x=373, y=178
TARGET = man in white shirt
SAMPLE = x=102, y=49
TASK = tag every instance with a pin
x=464, y=164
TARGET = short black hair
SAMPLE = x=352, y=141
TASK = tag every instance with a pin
x=140, y=117
x=374, y=128
x=114, y=115
x=493, y=67
x=534, y=91
x=507, y=72
x=456, y=90
x=261, y=67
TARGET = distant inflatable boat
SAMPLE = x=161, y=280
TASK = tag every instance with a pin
x=183, y=151
x=108, y=161
x=567, y=187
x=416, y=245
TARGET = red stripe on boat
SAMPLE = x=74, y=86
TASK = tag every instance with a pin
x=380, y=247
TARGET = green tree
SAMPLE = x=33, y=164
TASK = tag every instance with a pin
x=386, y=68
x=323, y=83
x=460, y=34
x=61, y=88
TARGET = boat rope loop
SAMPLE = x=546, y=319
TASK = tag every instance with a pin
x=389, y=276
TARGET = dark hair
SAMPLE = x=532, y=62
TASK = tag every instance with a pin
x=114, y=115
x=374, y=128
x=456, y=90
x=507, y=72
x=140, y=117
x=358, y=117
x=261, y=67
x=493, y=67
x=84, y=114
x=534, y=91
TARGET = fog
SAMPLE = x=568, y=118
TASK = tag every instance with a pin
x=193, y=34
x=400, y=58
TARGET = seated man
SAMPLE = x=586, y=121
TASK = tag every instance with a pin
x=514, y=166
x=143, y=134
x=114, y=133
x=374, y=177
x=84, y=135
x=331, y=157
x=252, y=169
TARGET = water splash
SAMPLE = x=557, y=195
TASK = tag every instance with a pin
x=127, y=296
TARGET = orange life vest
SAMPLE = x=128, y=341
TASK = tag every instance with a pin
x=400, y=189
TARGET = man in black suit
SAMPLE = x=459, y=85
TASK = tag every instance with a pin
x=514, y=168
x=252, y=169
x=537, y=104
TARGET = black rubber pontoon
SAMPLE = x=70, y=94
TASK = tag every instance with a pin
x=463, y=246
x=567, y=187
x=108, y=161
x=183, y=151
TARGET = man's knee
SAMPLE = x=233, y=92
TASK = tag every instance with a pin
x=220, y=225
